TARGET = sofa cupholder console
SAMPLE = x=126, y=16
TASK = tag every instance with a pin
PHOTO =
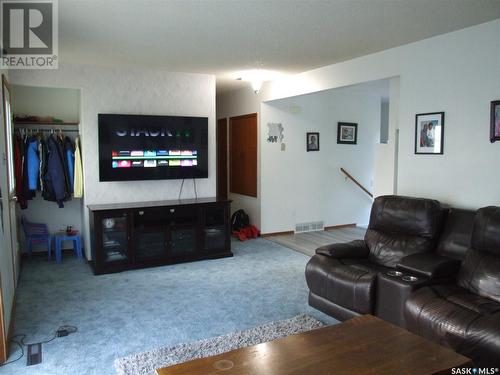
x=410, y=279
x=393, y=288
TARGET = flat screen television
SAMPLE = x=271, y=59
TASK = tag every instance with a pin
x=139, y=147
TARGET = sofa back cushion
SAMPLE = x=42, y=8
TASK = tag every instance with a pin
x=480, y=270
x=455, y=238
x=486, y=230
x=401, y=226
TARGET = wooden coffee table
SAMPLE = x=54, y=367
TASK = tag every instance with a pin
x=362, y=345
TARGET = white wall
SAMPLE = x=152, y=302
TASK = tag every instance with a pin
x=57, y=219
x=234, y=104
x=301, y=186
x=131, y=91
x=63, y=104
x=456, y=73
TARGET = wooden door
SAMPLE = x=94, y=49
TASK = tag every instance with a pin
x=8, y=229
x=222, y=158
x=243, y=154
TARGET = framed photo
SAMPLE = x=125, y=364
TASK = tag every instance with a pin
x=495, y=121
x=429, y=133
x=347, y=133
x=312, y=140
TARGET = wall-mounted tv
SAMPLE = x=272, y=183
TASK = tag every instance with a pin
x=138, y=147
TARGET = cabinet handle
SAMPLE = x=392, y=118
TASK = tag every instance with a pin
x=172, y=210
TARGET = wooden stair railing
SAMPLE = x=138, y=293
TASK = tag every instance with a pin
x=348, y=175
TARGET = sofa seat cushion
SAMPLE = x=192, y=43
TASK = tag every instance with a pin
x=452, y=316
x=347, y=282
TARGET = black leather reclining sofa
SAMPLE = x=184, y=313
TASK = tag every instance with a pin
x=432, y=270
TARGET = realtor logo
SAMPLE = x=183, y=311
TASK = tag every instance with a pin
x=29, y=34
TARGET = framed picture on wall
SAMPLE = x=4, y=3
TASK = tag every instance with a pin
x=347, y=133
x=429, y=133
x=312, y=140
x=495, y=121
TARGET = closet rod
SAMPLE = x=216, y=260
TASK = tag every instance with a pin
x=50, y=130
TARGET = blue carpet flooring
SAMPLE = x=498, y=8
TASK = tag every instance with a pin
x=134, y=311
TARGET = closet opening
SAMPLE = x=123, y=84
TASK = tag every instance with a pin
x=48, y=168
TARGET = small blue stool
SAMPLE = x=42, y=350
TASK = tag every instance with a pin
x=77, y=244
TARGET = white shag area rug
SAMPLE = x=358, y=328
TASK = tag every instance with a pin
x=147, y=362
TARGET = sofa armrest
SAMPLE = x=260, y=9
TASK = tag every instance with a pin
x=353, y=249
x=430, y=265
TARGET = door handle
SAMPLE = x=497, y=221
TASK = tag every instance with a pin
x=14, y=198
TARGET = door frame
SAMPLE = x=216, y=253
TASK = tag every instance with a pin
x=222, y=154
x=10, y=236
x=11, y=193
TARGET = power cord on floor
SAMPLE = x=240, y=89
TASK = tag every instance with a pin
x=61, y=331
x=20, y=347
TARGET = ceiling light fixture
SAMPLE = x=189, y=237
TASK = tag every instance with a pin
x=256, y=85
x=256, y=77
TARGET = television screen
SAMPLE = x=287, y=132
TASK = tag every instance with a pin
x=137, y=147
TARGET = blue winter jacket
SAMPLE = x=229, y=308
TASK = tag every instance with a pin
x=70, y=156
x=33, y=164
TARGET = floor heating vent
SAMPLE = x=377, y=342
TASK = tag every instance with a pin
x=313, y=226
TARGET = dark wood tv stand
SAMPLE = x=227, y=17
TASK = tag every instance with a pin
x=137, y=235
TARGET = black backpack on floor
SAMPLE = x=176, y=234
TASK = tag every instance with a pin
x=239, y=220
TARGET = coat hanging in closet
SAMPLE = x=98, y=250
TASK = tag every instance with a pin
x=51, y=165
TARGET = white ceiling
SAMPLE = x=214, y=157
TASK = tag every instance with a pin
x=221, y=37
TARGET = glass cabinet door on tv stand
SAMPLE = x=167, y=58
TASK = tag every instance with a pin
x=114, y=238
x=150, y=234
x=215, y=229
x=137, y=235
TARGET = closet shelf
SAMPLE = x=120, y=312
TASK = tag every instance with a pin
x=45, y=123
